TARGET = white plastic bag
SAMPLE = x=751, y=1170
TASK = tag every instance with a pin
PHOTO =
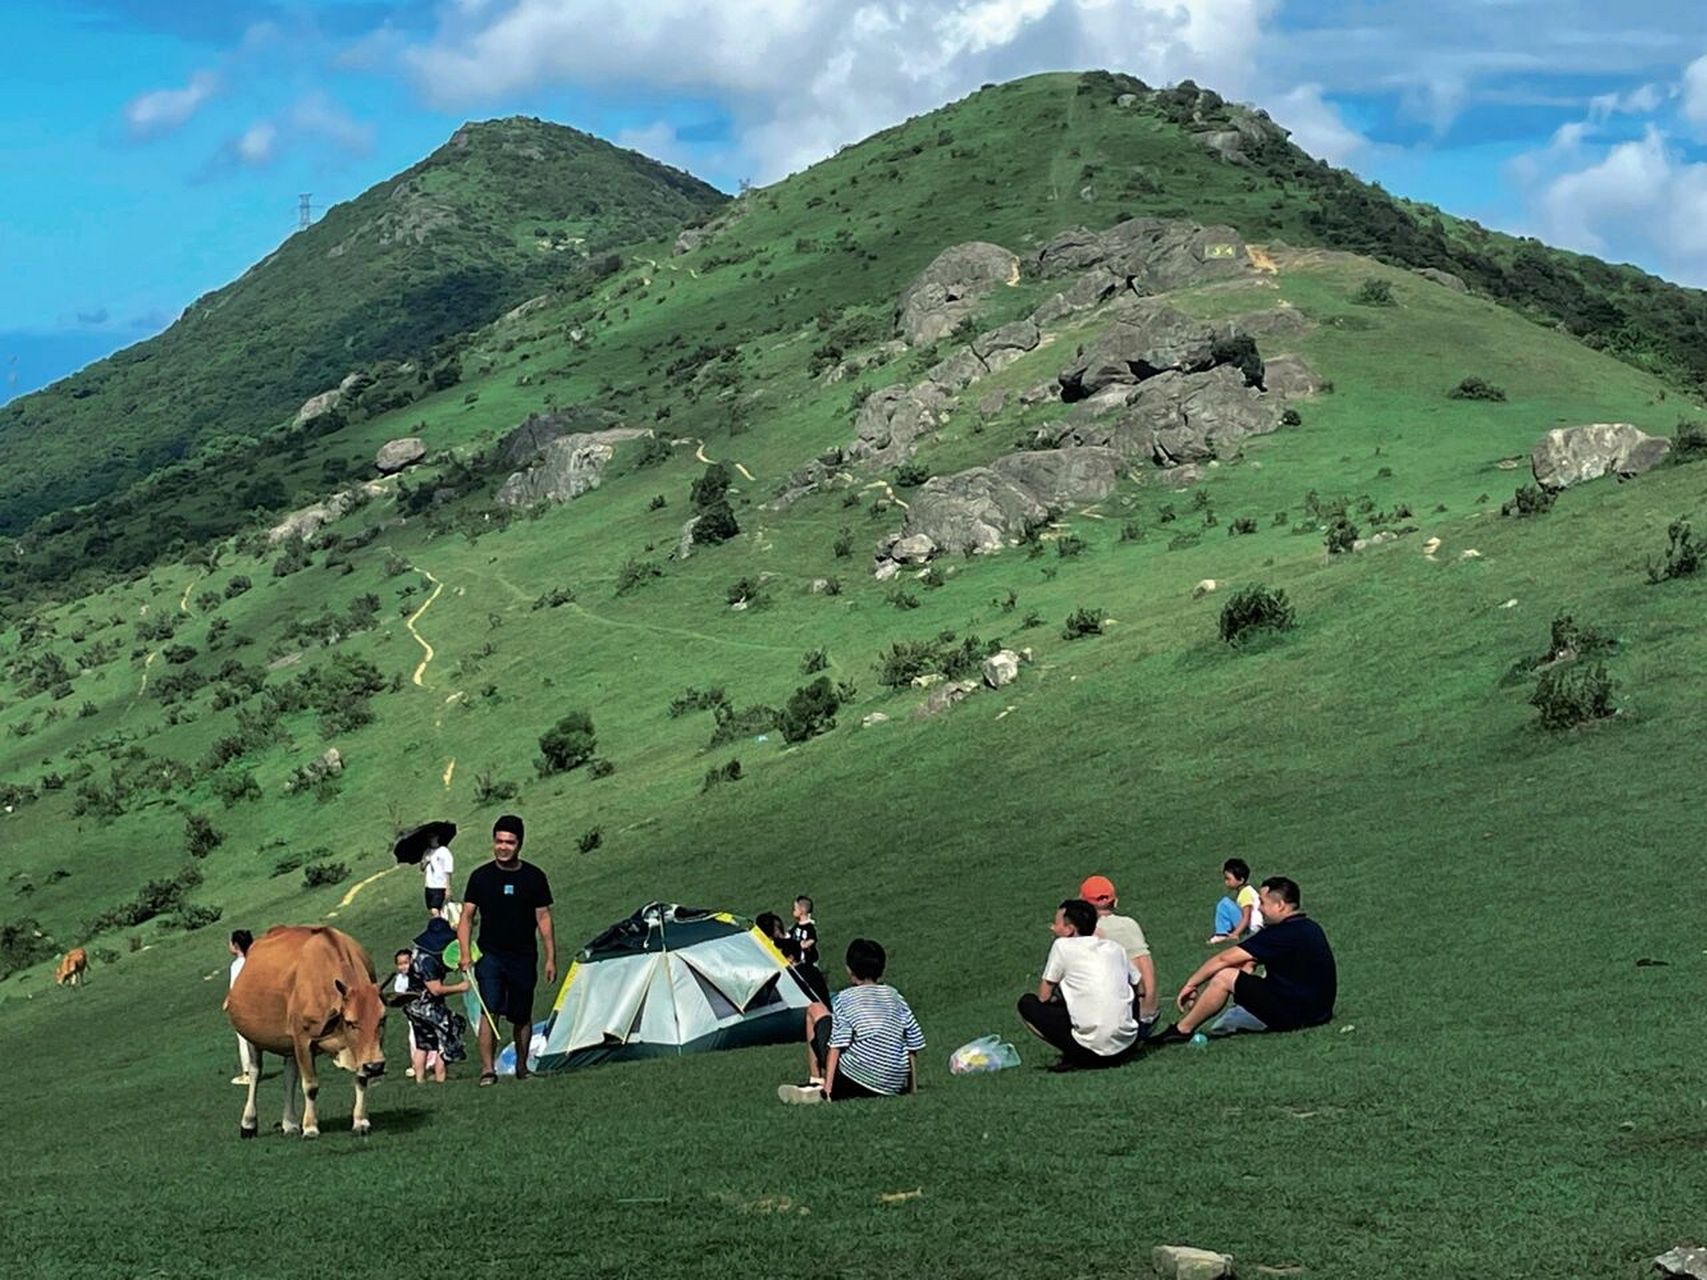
x=987, y=1053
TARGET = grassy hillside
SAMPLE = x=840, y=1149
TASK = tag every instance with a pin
x=498, y=213
x=1504, y=1091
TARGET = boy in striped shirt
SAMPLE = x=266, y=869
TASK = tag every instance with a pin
x=870, y=1042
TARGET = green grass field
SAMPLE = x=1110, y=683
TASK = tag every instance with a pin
x=1504, y=1090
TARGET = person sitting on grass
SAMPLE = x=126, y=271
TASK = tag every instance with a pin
x=1099, y=892
x=870, y=1041
x=1084, y=1004
x=1297, y=990
x=1241, y=910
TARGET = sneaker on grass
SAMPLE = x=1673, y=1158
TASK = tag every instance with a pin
x=800, y=1094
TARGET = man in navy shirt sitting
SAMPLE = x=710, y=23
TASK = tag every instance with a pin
x=1297, y=989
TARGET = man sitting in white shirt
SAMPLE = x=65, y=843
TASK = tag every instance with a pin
x=1083, y=1005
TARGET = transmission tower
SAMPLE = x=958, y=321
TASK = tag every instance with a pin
x=304, y=210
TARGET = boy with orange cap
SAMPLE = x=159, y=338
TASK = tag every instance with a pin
x=1099, y=892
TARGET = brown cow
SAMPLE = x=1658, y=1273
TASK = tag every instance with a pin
x=307, y=990
x=73, y=967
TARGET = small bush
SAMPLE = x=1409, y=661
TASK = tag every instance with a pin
x=235, y=785
x=716, y=524
x=237, y=586
x=1342, y=536
x=490, y=790
x=22, y=943
x=710, y=489
x=1374, y=293
x=832, y=587
x=1242, y=525
x=1131, y=531
x=1682, y=555
x=200, y=836
x=1183, y=541
x=813, y=661
x=653, y=451
x=932, y=578
x=810, y=711
x=910, y=475
x=903, y=599
x=717, y=775
x=1474, y=388
x=1069, y=545
x=1572, y=694
x=1529, y=500
x=556, y=598
x=1200, y=499
x=1291, y=418
x=637, y=573
x=566, y=745
x=744, y=590
x=316, y=874
x=658, y=502
x=1254, y=609
x=1083, y=622
x=843, y=545
x=590, y=839
x=1689, y=442
x=192, y=916
x=1167, y=515
x=599, y=767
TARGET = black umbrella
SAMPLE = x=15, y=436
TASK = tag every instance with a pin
x=412, y=846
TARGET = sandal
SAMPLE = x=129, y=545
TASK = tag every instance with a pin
x=488, y=1077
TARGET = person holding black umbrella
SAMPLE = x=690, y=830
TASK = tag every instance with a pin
x=429, y=845
x=512, y=899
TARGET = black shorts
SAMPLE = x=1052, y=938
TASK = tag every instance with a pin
x=436, y=899
x=1258, y=997
x=1051, y=1020
x=506, y=983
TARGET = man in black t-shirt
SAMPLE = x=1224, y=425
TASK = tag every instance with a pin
x=512, y=899
x=1297, y=989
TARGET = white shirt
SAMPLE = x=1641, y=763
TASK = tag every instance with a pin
x=438, y=865
x=1093, y=975
x=236, y=968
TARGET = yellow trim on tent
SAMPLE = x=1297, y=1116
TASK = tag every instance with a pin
x=770, y=947
x=563, y=992
x=723, y=917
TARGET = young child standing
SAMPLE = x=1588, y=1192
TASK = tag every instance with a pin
x=805, y=935
x=1240, y=912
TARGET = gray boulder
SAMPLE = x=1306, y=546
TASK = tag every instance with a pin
x=308, y=521
x=568, y=467
x=1153, y=254
x=1001, y=347
x=1092, y=289
x=976, y=510
x=1199, y=416
x=1182, y=1262
x=1057, y=477
x=1147, y=337
x=1282, y=322
x=1291, y=377
x=1686, y=1262
x=992, y=403
x=945, y=292
x=1444, y=278
x=916, y=548
x=394, y=455
x=890, y=421
x=684, y=540
x=1001, y=669
x=526, y=442
x=959, y=370
x=950, y=694
x=1571, y=455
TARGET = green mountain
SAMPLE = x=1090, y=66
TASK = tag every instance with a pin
x=1259, y=521
x=502, y=211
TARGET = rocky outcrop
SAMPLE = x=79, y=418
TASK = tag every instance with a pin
x=528, y=441
x=1147, y=337
x=1173, y=418
x=1092, y=289
x=890, y=421
x=394, y=455
x=1152, y=255
x=310, y=520
x=1444, y=278
x=945, y=292
x=1057, y=477
x=1001, y=669
x=957, y=371
x=1183, y=1262
x=949, y=694
x=1001, y=347
x=1283, y=323
x=1571, y=455
x=1248, y=133
x=1291, y=378
x=568, y=467
x=327, y=401
x=1686, y=1262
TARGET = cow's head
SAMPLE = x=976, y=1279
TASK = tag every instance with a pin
x=362, y=1019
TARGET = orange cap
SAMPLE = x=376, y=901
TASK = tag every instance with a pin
x=1097, y=890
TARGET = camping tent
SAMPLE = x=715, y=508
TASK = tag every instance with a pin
x=671, y=980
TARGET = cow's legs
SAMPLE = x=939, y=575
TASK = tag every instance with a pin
x=249, y=1125
x=310, y=1086
x=359, y=1121
x=289, y=1123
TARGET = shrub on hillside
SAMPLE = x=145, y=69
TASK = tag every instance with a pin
x=1240, y=351
x=910, y=475
x=490, y=790
x=696, y=699
x=717, y=775
x=747, y=591
x=1571, y=694
x=1529, y=500
x=316, y=874
x=192, y=916
x=566, y=745
x=22, y=943
x=637, y=573
x=810, y=711
x=235, y=785
x=1242, y=525
x=1342, y=537
x=1253, y=610
x=813, y=661
x=200, y=836
x=1474, y=388
x=590, y=839
x=653, y=450
x=554, y=599
x=716, y=524
x=1291, y=418
x=1689, y=442
x=1083, y=622
x=237, y=586
x=710, y=488
x=1069, y=545
x=1682, y=556
x=842, y=547
x=1374, y=293
x=295, y=557
x=599, y=767
x=1131, y=531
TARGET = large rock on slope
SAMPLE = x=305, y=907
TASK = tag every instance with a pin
x=526, y=442
x=890, y=421
x=973, y=511
x=569, y=466
x=308, y=521
x=1001, y=347
x=1147, y=337
x=1057, y=477
x=1571, y=455
x=1292, y=377
x=1176, y=418
x=394, y=455
x=945, y=292
x=1153, y=254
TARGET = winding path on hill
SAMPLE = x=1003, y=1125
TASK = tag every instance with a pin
x=412, y=619
x=699, y=456
x=884, y=485
x=356, y=889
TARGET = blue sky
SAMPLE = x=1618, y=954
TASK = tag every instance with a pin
x=154, y=150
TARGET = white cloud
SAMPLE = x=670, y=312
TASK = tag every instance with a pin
x=255, y=145
x=1637, y=200
x=1641, y=101
x=1317, y=125
x=1695, y=92
x=802, y=77
x=316, y=115
x=159, y=112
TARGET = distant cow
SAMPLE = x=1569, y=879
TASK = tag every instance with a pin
x=72, y=968
x=306, y=991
